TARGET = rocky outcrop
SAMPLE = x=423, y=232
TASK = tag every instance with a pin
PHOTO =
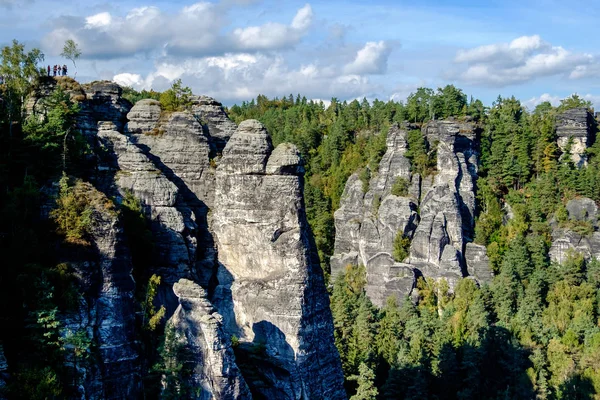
x=173, y=227
x=271, y=290
x=143, y=117
x=103, y=102
x=478, y=263
x=567, y=239
x=214, y=119
x=179, y=147
x=106, y=310
x=436, y=213
x=198, y=328
x=368, y=223
x=576, y=126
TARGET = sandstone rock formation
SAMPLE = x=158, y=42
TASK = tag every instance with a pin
x=214, y=119
x=566, y=241
x=267, y=283
x=437, y=215
x=199, y=328
x=575, y=125
x=106, y=311
x=271, y=288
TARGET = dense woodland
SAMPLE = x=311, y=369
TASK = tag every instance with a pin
x=534, y=332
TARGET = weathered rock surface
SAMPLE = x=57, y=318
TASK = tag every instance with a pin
x=143, y=117
x=271, y=287
x=577, y=125
x=478, y=263
x=566, y=241
x=199, y=329
x=214, y=119
x=583, y=209
x=103, y=103
x=367, y=223
x=106, y=312
x=172, y=223
x=179, y=147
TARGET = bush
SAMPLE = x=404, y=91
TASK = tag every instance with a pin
x=401, y=246
x=364, y=176
x=400, y=187
x=75, y=206
x=177, y=98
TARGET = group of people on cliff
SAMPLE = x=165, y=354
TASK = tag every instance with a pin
x=57, y=68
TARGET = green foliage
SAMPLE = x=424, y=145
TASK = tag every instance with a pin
x=52, y=137
x=573, y=101
x=73, y=212
x=366, y=386
x=177, y=98
x=19, y=70
x=152, y=317
x=175, y=367
x=401, y=246
x=400, y=187
x=71, y=51
x=134, y=96
x=423, y=160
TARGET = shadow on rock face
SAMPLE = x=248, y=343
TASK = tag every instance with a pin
x=266, y=363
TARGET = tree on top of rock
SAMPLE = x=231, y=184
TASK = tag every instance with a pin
x=72, y=52
x=177, y=98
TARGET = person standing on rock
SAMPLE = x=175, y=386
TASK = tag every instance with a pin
x=64, y=69
x=48, y=70
x=54, y=69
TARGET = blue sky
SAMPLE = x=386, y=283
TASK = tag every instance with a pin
x=235, y=49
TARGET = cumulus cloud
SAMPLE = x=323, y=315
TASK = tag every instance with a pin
x=195, y=30
x=523, y=59
x=274, y=35
x=371, y=59
x=239, y=76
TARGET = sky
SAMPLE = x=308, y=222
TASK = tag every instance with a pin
x=233, y=50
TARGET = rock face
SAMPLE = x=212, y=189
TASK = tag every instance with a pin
x=199, y=328
x=478, y=263
x=130, y=170
x=214, y=119
x=179, y=148
x=106, y=312
x=103, y=103
x=566, y=241
x=271, y=288
x=577, y=125
x=266, y=283
x=368, y=223
x=436, y=214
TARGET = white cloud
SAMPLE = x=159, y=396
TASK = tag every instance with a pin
x=371, y=59
x=523, y=59
x=235, y=77
x=98, y=21
x=194, y=30
x=274, y=35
